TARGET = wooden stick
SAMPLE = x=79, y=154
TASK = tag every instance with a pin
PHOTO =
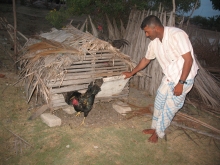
x=195, y=130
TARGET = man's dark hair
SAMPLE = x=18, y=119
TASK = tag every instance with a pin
x=151, y=20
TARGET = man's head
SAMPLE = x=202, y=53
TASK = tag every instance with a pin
x=152, y=27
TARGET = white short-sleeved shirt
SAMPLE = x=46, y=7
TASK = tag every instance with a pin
x=175, y=43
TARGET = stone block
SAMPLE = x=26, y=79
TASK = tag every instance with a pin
x=50, y=120
x=69, y=110
x=121, y=107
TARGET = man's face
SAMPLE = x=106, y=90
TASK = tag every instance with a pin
x=150, y=32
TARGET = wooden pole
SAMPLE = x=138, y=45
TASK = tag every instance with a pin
x=15, y=31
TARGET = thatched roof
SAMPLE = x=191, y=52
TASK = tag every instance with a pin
x=49, y=55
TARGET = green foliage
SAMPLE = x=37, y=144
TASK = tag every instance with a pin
x=215, y=4
x=113, y=8
x=118, y=9
x=57, y=18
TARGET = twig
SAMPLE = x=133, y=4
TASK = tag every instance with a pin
x=4, y=89
x=190, y=137
x=178, y=136
x=19, y=137
x=216, y=144
x=195, y=130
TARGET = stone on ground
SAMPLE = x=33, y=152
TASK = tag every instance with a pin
x=69, y=109
x=50, y=120
x=121, y=107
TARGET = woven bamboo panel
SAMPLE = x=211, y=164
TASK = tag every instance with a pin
x=81, y=73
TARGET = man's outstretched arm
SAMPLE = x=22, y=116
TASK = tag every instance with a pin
x=142, y=64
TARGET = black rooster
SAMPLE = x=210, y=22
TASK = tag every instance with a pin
x=119, y=43
x=84, y=102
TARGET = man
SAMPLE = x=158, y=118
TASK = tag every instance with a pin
x=173, y=50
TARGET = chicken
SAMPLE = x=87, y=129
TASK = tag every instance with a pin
x=120, y=43
x=84, y=102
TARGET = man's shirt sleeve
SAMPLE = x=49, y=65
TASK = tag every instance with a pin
x=150, y=52
x=181, y=43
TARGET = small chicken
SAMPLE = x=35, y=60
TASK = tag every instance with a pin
x=84, y=102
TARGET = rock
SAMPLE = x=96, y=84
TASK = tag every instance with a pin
x=69, y=110
x=121, y=107
x=50, y=120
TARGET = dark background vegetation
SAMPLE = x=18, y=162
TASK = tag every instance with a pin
x=120, y=9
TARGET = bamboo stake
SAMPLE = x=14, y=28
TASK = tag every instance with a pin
x=111, y=34
x=94, y=30
x=116, y=30
x=83, y=25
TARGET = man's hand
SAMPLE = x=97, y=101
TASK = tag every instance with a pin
x=178, y=89
x=142, y=64
x=127, y=74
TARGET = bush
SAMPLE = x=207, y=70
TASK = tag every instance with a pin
x=57, y=18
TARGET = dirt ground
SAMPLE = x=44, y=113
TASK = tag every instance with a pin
x=103, y=118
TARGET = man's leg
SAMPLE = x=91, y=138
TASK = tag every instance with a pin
x=153, y=138
x=165, y=107
x=172, y=105
x=158, y=108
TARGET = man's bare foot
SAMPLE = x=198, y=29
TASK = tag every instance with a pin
x=153, y=138
x=148, y=131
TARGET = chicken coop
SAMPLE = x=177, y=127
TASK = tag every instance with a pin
x=61, y=61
